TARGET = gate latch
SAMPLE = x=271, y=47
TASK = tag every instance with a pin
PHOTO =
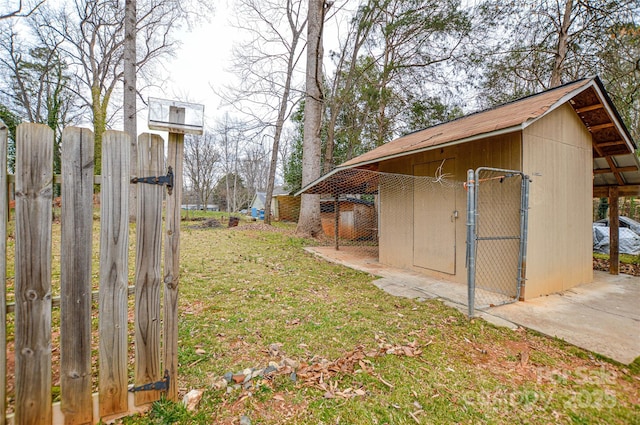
x=168, y=180
x=162, y=385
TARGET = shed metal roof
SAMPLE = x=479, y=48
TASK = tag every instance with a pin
x=615, y=161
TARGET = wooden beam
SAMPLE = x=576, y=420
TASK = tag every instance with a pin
x=601, y=126
x=597, y=148
x=611, y=143
x=616, y=174
x=589, y=108
x=627, y=190
x=615, y=170
x=614, y=232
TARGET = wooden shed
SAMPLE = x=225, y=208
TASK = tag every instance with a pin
x=356, y=218
x=256, y=207
x=286, y=207
x=569, y=140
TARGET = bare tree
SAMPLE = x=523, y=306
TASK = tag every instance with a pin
x=229, y=133
x=35, y=82
x=534, y=45
x=266, y=64
x=309, y=221
x=347, y=73
x=18, y=12
x=92, y=40
x=201, y=160
x=620, y=72
x=254, y=167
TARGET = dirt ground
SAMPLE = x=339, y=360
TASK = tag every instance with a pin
x=603, y=265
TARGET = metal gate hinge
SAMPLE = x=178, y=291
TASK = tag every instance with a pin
x=162, y=385
x=160, y=180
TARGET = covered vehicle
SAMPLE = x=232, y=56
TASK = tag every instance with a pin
x=626, y=222
x=629, y=241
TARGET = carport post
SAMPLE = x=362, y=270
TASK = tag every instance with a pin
x=614, y=232
x=471, y=241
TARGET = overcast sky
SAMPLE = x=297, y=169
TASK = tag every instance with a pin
x=203, y=61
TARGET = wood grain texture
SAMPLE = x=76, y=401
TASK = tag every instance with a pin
x=614, y=232
x=75, y=275
x=34, y=177
x=148, y=267
x=114, y=244
x=4, y=207
x=172, y=263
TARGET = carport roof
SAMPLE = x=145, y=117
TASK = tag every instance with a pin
x=614, y=159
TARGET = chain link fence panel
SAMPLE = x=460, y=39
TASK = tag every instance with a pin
x=499, y=232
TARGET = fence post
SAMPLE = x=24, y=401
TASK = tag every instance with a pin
x=471, y=241
x=524, y=234
x=4, y=207
x=148, y=265
x=75, y=274
x=114, y=250
x=175, y=159
x=34, y=177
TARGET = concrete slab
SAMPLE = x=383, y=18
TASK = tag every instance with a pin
x=602, y=316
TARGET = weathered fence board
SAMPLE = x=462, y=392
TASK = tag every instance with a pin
x=34, y=181
x=4, y=208
x=34, y=176
x=148, y=267
x=75, y=275
x=114, y=244
x=175, y=159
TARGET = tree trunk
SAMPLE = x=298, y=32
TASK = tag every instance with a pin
x=129, y=97
x=272, y=175
x=309, y=222
x=561, y=51
x=99, y=125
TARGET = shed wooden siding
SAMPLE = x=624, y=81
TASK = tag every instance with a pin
x=286, y=208
x=558, y=148
x=357, y=221
x=396, y=229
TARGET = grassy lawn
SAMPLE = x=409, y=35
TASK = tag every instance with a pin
x=345, y=352
x=624, y=258
x=348, y=353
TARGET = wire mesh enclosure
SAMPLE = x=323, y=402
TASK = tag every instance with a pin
x=497, y=219
x=396, y=215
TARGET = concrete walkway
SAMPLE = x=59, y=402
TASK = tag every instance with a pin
x=602, y=316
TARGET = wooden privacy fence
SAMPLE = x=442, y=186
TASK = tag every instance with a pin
x=155, y=359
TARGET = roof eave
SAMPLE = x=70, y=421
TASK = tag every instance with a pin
x=507, y=130
x=494, y=133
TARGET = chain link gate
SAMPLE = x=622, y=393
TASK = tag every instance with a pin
x=497, y=213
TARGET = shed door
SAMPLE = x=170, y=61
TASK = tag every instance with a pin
x=434, y=227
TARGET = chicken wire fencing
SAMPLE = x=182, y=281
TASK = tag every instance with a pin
x=364, y=211
x=416, y=222
x=497, y=206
